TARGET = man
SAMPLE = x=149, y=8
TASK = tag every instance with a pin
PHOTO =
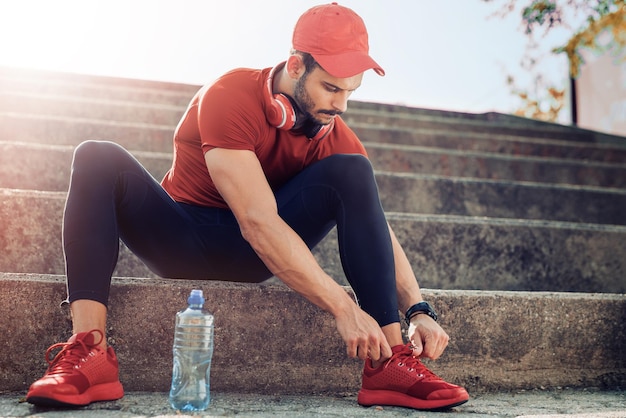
x=264, y=167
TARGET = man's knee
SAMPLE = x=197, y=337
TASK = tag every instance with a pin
x=352, y=169
x=96, y=155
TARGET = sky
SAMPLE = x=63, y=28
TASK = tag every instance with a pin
x=439, y=54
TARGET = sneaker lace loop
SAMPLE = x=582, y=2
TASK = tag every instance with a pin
x=405, y=358
x=70, y=355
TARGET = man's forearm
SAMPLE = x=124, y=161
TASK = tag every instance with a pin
x=288, y=258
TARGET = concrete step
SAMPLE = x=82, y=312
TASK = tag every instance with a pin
x=32, y=166
x=61, y=130
x=25, y=85
x=438, y=195
x=446, y=252
x=495, y=166
x=500, y=341
x=396, y=116
x=68, y=104
x=480, y=125
x=91, y=107
x=81, y=85
x=49, y=166
x=65, y=130
x=109, y=98
x=493, y=267
x=486, y=142
x=540, y=403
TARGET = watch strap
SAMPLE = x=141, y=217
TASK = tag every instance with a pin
x=421, y=307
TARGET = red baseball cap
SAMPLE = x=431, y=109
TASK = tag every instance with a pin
x=337, y=38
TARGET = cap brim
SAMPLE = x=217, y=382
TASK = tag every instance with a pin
x=348, y=64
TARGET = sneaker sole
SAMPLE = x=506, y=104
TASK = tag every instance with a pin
x=102, y=392
x=368, y=397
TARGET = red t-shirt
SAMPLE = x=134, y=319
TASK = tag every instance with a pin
x=231, y=114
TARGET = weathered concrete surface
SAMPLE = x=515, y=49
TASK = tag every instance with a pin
x=49, y=166
x=562, y=403
x=495, y=166
x=501, y=341
x=86, y=107
x=270, y=340
x=484, y=142
x=428, y=194
x=48, y=169
x=69, y=130
x=20, y=85
x=490, y=122
x=82, y=85
x=64, y=130
x=446, y=252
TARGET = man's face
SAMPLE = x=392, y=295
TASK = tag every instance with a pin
x=321, y=96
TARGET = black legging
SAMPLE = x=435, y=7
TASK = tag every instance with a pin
x=113, y=197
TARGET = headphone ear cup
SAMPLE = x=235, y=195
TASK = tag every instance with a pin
x=280, y=112
x=285, y=112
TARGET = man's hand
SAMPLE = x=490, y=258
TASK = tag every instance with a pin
x=362, y=335
x=428, y=338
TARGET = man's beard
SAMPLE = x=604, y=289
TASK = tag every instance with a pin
x=306, y=104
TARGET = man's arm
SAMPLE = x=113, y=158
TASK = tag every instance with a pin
x=428, y=338
x=239, y=178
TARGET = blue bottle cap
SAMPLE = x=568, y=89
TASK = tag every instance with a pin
x=196, y=298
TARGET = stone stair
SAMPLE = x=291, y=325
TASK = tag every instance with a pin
x=519, y=225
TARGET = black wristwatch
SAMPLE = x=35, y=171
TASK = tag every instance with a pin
x=422, y=307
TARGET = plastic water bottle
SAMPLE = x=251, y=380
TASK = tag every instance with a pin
x=193, y=349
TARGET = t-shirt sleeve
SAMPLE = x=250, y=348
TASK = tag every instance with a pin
x=230, y=114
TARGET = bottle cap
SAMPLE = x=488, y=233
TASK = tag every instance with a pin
x=196, y=298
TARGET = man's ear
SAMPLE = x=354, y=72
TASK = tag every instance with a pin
x=295, y=66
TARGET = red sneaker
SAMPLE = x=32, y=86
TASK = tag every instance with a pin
x=404, y=381
x=79, y=374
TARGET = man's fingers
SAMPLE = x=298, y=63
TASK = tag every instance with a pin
x=418, y=348
x=374, y=350
x=359, y=349
x=352, y=350
x=363, y=337
x=428, y=345
x=362, y=352
x=386, y=352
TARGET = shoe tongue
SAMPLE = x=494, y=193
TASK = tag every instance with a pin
x=401, y=348
x=88, y=338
